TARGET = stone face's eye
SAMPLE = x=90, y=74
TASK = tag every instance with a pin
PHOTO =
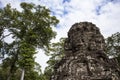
x=78, y=29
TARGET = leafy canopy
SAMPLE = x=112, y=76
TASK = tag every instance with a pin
x=29, y=29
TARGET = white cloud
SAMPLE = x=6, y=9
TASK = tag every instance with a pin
x=84, y=10
x=14, y=3
x=109, y=19
x=104, y=13
x=41, y=58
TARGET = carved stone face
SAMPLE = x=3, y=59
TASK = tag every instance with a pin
x=84, y=36
x=84, y=56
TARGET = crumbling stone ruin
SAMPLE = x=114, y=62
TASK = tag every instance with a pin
x=85, y=57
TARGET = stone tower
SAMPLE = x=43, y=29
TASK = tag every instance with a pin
x=85, y=57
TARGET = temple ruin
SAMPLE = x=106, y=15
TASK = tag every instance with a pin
x=85, y=57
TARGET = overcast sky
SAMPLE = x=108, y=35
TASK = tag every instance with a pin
x=104, y=13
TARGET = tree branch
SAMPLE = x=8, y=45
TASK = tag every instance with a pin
x=5, y=36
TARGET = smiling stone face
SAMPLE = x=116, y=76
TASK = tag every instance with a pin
x=85, y=36
x=85, y=57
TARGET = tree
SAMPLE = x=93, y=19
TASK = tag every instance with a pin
x=113, y=46
x=30, y=29
x=56, y=53
x=32, y=74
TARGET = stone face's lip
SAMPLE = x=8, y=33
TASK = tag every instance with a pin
x=85, y=57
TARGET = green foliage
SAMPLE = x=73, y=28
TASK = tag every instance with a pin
x=30, y=29
x=56, y=53
x=113, y=46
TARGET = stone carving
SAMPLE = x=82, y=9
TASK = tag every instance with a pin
x=85, y=57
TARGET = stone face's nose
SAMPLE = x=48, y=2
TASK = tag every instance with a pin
x=85, y=57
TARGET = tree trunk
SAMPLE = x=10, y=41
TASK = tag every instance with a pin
x=22, y=75
x=9, y=76
x=11, y=72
